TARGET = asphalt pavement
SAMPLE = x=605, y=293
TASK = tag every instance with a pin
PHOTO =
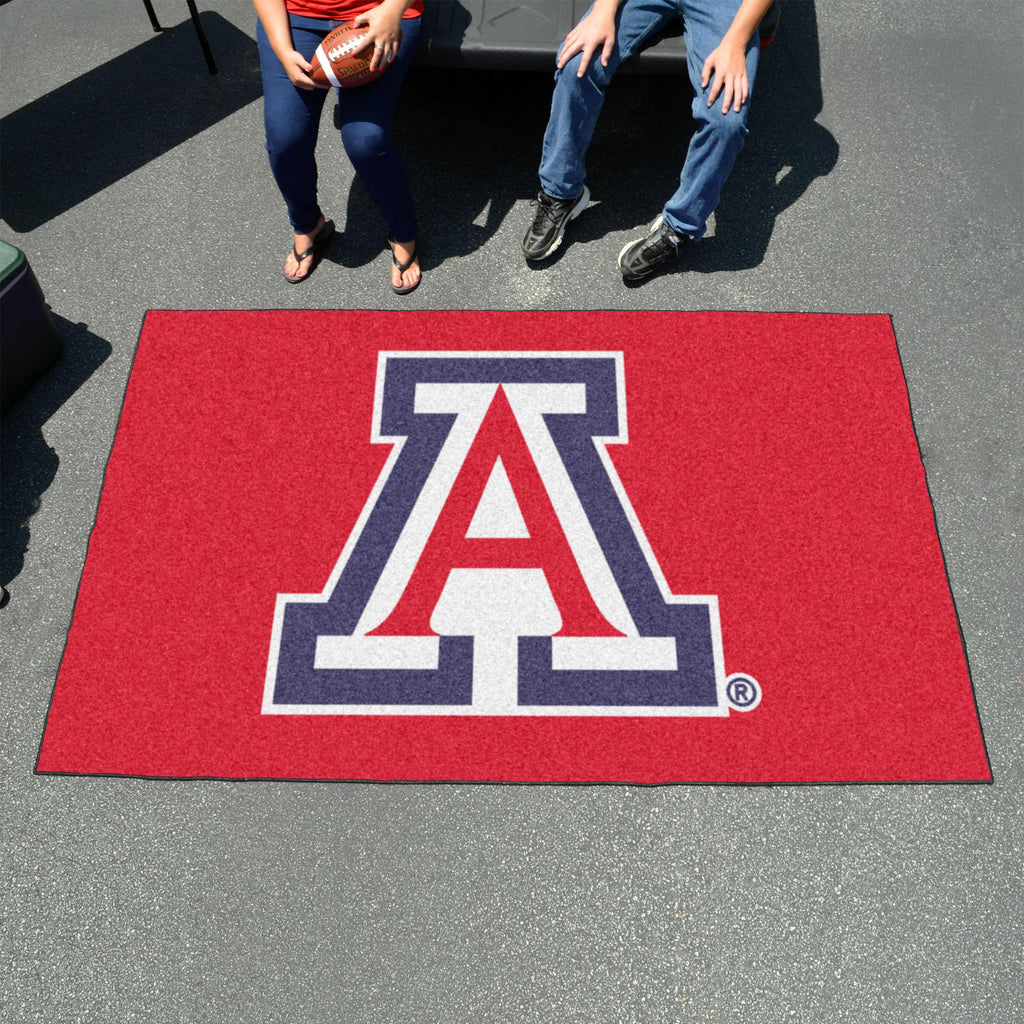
x=884, y=174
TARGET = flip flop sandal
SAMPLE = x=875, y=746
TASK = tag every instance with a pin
x=403, y=289
x=323, y=236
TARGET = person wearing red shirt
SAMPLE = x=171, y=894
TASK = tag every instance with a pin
x=287, y=36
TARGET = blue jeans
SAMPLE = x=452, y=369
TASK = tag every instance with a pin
x=291, y=118
x=715, y=144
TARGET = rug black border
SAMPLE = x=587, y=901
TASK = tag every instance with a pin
x=777, y=784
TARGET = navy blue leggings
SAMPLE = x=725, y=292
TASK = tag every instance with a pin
x=291, y=117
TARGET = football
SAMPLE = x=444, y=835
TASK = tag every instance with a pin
x=343, y=59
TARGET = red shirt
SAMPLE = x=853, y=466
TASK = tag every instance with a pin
x=342, y=10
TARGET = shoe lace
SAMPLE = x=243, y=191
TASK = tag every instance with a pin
x=661, y=243
x=545, y=210
x=659, y=246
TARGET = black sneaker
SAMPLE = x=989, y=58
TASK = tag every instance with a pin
x=550, y=221
x=644, y=255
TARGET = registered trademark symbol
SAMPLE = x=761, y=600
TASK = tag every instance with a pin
x=744, y=692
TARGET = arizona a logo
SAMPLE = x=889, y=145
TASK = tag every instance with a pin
x=497, y=567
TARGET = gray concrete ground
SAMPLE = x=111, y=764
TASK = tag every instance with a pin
x=884, y=174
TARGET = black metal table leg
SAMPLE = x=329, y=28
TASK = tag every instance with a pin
x=207, y=53
x=152, y=15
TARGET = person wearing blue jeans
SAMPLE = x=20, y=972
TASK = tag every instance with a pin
x=287, y=35
x=722, y=48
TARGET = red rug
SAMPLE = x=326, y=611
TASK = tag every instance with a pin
x=520, y=547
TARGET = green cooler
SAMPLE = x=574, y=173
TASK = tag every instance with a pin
x=29, y=343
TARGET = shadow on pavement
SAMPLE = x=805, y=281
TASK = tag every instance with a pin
x=29, y=463
x=469, y=140
x=107, y=123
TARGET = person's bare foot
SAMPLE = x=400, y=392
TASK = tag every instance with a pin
x=294, y=268
x=404, y=256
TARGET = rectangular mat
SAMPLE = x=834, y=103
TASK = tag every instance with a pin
x=516, y=547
